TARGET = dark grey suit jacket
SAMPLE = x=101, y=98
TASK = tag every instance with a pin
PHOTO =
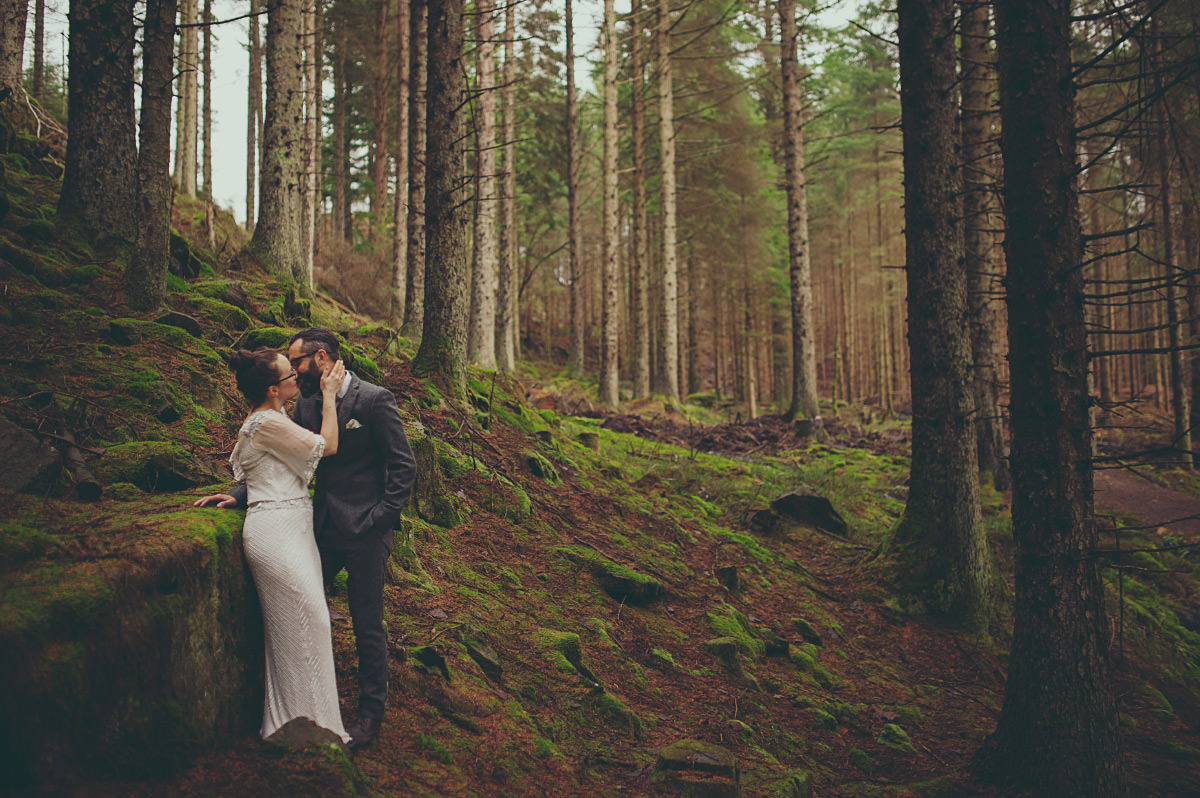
x=366, y=484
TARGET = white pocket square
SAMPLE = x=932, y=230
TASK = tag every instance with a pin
x=353, y=424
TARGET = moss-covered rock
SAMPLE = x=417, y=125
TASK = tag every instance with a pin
x=130, y=664
x=697, y=769
x=564, y=651
x=157, y=466
x=622, y=583
x=894, y=736
x=542, y=468
x=272, y=337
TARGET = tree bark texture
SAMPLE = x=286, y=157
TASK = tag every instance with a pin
x=253, y=114
x=667, y=378
x=610, y=338
x=187, y=110
x=39, y=51
x=100, y=174
x=940, y=537
x=340, y=218
x=379, y=148
x=443, y=351
x=311, y=173
x=277, y=240
x=400, y=207
x=210, y=224
x=1058, y=732
x=979, y=242
x=506, y=296
x=639, y=267
x=576, y=356
x=414, y=298
x=1180, y=378
x=804, y=356
x=12, y=41
x=146, y=276
x=481, y=334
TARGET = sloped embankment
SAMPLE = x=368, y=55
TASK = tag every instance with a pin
x=131, y=638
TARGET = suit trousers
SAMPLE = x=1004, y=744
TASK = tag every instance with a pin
x=365, y=562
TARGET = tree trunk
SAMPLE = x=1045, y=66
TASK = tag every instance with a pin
x=979, y=186
x=341, y=216
x=414, y=296
x=379, y=148
x=253, y=114
x=146, y=277
x=210, y=222
x=311, y=185
x=39, y=51
x=277, y=236
x=506, y=330
x=1058, y=732
x=668, y=361
x=576, y=357
x=941, y=537
x=12, y=42
x=481, y=335
x=610, y=338
x=1182, y=437
x=100, y=173
x=400, y=226
x=639, y=267
x=443, y=351
x=186, y=122
x=804, y=356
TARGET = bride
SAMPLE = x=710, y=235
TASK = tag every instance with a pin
x=277, y=457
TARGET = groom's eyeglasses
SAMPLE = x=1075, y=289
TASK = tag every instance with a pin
x=296, y=361
x=285, y=379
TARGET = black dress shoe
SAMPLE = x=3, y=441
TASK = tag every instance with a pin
x=362, y=732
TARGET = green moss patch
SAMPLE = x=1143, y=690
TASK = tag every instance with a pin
x=622, y=583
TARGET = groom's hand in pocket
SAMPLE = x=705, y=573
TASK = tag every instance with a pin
x=215, y=500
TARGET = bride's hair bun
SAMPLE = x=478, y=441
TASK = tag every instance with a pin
x=256, y=371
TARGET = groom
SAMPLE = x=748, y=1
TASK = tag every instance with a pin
x=359, y=493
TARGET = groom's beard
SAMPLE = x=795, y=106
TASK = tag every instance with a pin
x=309, y=384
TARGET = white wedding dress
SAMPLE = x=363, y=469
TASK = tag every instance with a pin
x=277, y=457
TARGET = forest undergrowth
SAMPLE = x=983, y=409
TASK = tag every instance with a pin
x=579, y=604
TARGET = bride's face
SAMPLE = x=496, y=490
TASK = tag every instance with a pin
x=287, y=384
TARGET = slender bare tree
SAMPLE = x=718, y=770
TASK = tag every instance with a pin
x=610, y=339
x=639, y=266
x=506, y=296
x=414, y=297
x=804, y=355
x=400, y=208
x=576, y=357
x=667, y=377
x=253, y=114
x=379, y=148
x=481, y=336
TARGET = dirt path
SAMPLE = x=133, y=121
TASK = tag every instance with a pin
x=1128, y=494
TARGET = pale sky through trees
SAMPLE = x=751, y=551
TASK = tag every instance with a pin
x=231, y=66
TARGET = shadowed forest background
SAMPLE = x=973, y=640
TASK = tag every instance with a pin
x=802, y=396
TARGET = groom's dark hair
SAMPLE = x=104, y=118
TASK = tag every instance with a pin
x=313, y=338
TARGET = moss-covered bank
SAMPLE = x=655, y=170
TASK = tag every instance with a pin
x=134, y=645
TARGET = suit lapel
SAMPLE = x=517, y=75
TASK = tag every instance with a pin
x=346, y=406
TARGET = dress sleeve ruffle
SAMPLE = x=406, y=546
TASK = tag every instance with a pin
x=297, y=448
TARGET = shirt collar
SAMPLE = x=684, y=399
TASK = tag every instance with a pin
x=345, y=384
